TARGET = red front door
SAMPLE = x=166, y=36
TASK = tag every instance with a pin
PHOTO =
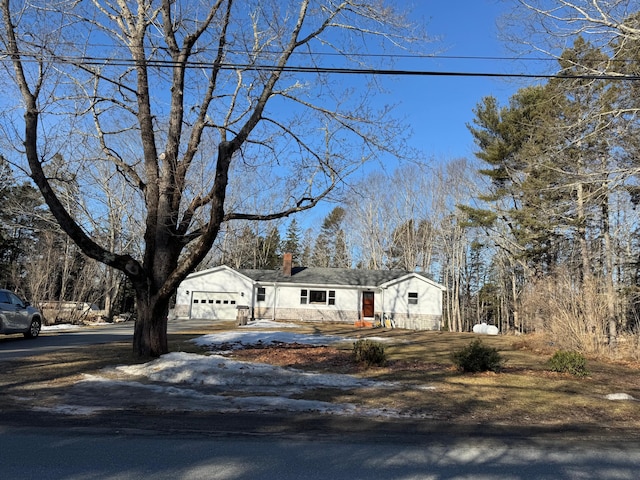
x=368, y=307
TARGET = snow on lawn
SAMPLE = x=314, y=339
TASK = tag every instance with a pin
x=245, y=337
x=191, y=368
x=188, y=381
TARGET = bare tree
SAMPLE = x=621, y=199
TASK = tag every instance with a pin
x=189, y=95
x=550, y=26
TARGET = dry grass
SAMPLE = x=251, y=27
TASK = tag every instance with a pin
x=524, y=393
x=427, y=384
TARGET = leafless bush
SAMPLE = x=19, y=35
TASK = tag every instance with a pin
x=572, y=313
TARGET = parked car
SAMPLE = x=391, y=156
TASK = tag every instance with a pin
x=17, y=316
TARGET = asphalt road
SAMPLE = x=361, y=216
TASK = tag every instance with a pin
x=16, y=346
x=49, y=454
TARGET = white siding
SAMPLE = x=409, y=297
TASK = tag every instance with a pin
x=216, y=294
x=283, y=302
x=396, y=297
x=213, y=294
x=425, y=314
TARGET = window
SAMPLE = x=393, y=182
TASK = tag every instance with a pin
x=318, y=296
x=261, y=294
x=413, y=298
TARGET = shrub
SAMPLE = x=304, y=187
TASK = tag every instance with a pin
x=369, y=352
x=564, y=361
x=477, y=357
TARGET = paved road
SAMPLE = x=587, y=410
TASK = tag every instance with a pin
x=16, y=346
x=117, y=456
x=56, y=454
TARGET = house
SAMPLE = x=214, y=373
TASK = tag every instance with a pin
x=409, y=299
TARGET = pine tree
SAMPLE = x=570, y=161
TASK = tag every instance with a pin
x=7, y=245
x=321, y=255
x=324, y=250
x=291, y=243
x=512, y=143
x=341, y=258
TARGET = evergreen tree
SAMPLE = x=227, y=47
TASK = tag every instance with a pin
x=306, y=255
x=341, y=258
x=22, y=219
x=551, y=154
x=321, y=255
x=512, y=143
x=324, y=250
x=291, y=243
x=8, y=246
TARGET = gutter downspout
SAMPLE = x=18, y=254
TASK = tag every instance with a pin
x=275, y=300
x=254, y=293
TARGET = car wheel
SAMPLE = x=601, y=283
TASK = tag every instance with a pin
x=34, y=328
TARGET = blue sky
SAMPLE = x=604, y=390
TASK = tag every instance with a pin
x=440, y=107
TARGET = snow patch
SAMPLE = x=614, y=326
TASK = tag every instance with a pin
x=619, y=396
x=193, y=382
x=239, y=339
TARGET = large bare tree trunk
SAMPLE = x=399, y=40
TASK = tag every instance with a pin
x=150, y=333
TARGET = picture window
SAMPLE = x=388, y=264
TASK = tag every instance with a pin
x=318, y=296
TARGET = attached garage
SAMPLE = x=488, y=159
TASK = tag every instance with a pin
x=214, y=305
x=214, y=294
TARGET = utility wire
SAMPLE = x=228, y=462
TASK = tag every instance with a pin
x=107, y=62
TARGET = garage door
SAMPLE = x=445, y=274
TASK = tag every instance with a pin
x=214, y=305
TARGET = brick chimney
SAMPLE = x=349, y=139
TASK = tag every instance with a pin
x=287, y=263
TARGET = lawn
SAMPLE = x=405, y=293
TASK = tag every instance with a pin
x=419, y=379
x=525, y=392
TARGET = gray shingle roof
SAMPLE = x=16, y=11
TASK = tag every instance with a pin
x=328, y=276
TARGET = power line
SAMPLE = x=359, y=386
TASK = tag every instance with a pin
x=104, y=62
x=408, y=56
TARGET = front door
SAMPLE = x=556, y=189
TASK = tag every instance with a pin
x=368, y=307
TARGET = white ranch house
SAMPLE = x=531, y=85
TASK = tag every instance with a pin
x=410, y=299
